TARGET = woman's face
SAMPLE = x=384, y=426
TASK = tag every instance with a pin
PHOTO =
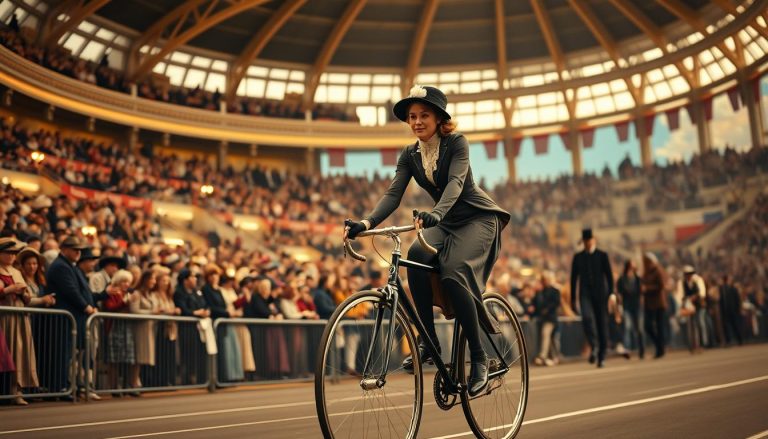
x=151, y=282
x=422, y=120
x=7, y=258
x=162, y=283
x=30, y=266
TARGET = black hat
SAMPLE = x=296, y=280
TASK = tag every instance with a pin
x=74, y=242
x=184, y=274
x=430, y=95
x=106, y=260
x=586, y=234
x=246, y=280
x=87, y=255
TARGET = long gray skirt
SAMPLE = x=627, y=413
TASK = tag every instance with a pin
x=467, y=251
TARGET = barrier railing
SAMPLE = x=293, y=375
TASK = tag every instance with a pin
x=43, y=349
x=256, y=351
x=132, y=353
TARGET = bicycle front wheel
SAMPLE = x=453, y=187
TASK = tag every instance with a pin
x=378, y=400
x=498, y=413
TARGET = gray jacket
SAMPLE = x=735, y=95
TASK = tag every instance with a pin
x=453, y=178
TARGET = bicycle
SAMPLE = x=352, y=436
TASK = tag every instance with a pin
x=382, y=399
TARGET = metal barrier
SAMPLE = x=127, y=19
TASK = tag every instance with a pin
x=130, y=353
x=256, y=351
x=46, y=340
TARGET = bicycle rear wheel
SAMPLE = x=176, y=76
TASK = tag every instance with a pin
x=350, y=404
x=498, y=413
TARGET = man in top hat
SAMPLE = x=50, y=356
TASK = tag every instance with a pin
x=107, y=267
x=692, y=294
x=591, y=284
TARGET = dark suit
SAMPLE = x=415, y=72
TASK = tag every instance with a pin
x=193, y=354
x=468, y=236
x=591, y=273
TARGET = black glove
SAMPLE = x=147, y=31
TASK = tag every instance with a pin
x=428, y=219
x=355, y=227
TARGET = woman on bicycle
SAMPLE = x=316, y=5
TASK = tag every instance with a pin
x=464, y=225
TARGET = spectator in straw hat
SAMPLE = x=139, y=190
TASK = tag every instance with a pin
x=107, y=267
x=693, y=293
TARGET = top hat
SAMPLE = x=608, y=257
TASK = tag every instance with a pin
x=586, y=234
x=429, y=95
x=87, y=255
x=106, y=260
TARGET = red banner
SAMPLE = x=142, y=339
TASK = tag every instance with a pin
x=649, y=122
x=622, y=130
x=565, y=137
x=541, y=144
x=389, y=156
x=516, y=144
x=337, y=157
x=491, y=149
x=673, y=119
x=733, y=96
x=691, y=115
x=588, y=137
x=707, y=103
x=116, y=199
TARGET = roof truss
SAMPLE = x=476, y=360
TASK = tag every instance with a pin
x=417, y=46
x=76, y=10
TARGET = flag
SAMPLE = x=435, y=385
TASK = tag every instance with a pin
x=565, y=136
x=733, y=96
x=389, y=156
x=337, y=157
x=491, y=149
x=673, y=119
x=588, y=137
x=707, y=103
x=622, y=129
x=541, y=144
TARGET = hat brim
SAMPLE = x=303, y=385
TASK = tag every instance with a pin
x=112, y=260
x=12, y=247
x=400, y=109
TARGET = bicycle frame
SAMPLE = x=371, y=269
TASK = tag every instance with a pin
x=393, y=291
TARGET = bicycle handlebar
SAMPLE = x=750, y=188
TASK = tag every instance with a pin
x=391, y=231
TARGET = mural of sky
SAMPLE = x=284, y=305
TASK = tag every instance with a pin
x=728, y=128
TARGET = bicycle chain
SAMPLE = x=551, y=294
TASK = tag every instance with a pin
x=443, y=398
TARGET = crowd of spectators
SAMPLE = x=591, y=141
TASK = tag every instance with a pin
x=101, y=74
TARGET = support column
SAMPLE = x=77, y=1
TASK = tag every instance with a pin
x=311, y=160
x=754, y=112
x=575, y=143
x=645, y=141
x=509, y=152
x=133, y=139
x=702, y=124
x=222, y=157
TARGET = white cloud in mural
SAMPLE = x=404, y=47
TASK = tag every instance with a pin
x=727, y=128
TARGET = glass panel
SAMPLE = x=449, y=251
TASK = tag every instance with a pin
x=486, y=106
x=490, y=85
x=241, y=88
x=121, y=41
x=116, y=59
x=592, y=70
x=706, y=57
x=201, y=62
x=337, y=93
x=216, y=81
x=604, y=104
x=585, y=108
x=670, y=71
x=175, y=74
x=92, y=51
x=158, y=68
x=471, y=87
x=181, y=57
x=426, y=78
x=450, y=89
x=386, y=79
x=600, y=89
x=618, y=86
x=74, y=42
x=662, y=90
x=258, y=71
x=6, y=9
x=359, y=78
x=472, y=75
x=547, y=98
x=652, y=54
x=275, y=90
x=278, y=73
x=105, y=34
x=256, y=87
x=368, y=115
x=321, y=94
x=381, y=94
x=531, y=80
x=338, y=78
x=583, y=93
x=219, y=65
x=465, y=107
x=623, y=100
x=194, y=78
x=489, y=74
x=359, y=94
x=449, y=77
x=295, y=87
x=526, y=101
x=679, y=85
x=87, y=27
x=648, y=95
x=547, y=114
x=297, y=75
x=655, y=76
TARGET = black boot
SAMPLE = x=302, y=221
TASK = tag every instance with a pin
x=478, y=377
x=426, y=358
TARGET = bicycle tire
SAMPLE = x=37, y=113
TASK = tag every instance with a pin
x=327, y=349
x=498, y=425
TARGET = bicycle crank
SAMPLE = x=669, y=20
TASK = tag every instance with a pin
x=443, y=397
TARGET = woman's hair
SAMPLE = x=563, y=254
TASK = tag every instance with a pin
x=122, y=276
x=627, y=266
x=39, y=276
x=446, y=127
x=144, y=281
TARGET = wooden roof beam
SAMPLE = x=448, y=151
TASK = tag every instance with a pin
x=181, y=25
x=77, y=11
x=653, y=32
x=542, y=17
x=688, y=15
x=501, y=57
x=417, y=45
x=330, y=46
x=239, y=68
